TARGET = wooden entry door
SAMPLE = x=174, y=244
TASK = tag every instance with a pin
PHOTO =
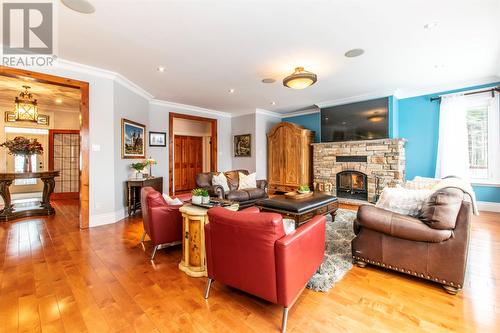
x=64, y=156
x=188, y=161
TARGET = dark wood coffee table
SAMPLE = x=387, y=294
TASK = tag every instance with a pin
x=300, y=210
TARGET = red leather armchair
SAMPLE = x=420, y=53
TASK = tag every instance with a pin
x=249, y=250
x=162, y=222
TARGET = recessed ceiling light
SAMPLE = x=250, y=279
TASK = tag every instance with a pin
x=268, y=80
x=430, y=25
x=58, y=101
x=273, y=103
x=160, y=69
x=80, y=6
x=438, y=66
x=231, y=91
x=354, y=53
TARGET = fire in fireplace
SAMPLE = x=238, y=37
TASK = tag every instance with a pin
x=352, y=185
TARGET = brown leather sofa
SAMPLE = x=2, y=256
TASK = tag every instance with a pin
x=432, y=247
x=246, y=197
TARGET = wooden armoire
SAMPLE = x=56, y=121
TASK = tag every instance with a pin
x=289, y=157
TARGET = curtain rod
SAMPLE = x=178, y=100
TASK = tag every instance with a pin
x=492, y=90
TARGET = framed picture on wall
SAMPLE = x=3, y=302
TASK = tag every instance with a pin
x=157, y=139
x=243, y=145
x=133, y=139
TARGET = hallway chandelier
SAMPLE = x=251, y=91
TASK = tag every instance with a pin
x=26, y=108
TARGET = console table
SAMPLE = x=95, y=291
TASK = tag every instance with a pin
x=134, y=191
x=10, y=212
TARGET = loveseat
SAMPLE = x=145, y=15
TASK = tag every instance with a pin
x=245, y=197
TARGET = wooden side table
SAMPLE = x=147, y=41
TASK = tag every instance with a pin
x=194, y=218
x=134, y=191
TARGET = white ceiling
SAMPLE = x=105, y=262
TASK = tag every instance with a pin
x=208, y=47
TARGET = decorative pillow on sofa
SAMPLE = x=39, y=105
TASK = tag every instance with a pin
x=170, y=201
x=247, y=181
x=402, y=200
x=221, y=180
x=440, y=211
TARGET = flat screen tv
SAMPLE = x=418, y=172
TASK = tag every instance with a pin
x=367, y=120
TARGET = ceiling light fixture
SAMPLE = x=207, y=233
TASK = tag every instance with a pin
x=430, y=26
x=231, y=91
x=376, y=118
x=25, y=106
x=273, y=103
x=300, y=79
x=160, y=69
x=80, y=6
x=268, y=80
x=354, y=53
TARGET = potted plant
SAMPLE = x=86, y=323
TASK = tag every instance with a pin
x=139, y=167
x=197, y=197
x=25, y=147
x=303, y=189
x=205, y=197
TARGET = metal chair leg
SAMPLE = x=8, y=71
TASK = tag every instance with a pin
x=143, y=236
x=284, y=320
x=154, y=252
x=207, y=289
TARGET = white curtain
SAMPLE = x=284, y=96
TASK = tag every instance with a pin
x=453, y=151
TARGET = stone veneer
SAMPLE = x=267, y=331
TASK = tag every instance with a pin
x=385, y=160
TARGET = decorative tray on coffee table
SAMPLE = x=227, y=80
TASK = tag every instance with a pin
x=296, y=195
x=214, y=203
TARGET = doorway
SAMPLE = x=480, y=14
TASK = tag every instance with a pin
x=192, y=150
x=82, y=89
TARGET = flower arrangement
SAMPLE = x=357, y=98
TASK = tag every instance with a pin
x=139, y=167
x=303, y=189
x=23, y=146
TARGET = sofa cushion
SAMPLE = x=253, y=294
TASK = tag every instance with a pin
x=233, y=179
x=247, y=181
x=237, y=195
x=255, y=193
x=221, y=180
x=440, y=211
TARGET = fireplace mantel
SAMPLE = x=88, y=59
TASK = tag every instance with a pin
x=382, y=159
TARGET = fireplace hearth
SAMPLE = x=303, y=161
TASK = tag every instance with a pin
x=352, y=185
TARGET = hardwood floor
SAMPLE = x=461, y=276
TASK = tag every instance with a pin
x=55, y=278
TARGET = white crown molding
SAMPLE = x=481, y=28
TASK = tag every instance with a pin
x=268, y=113
x=301, y=113
x=357, y=98
x=447, y=87
x=486, y=206
x=189, y=108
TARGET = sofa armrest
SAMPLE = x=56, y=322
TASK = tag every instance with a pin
x=262, y=184
x=298, y=256
x=165, y=224
x=398, y=225
x=215, y=191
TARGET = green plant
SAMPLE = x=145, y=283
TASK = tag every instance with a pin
x=198, y=192
x=23, y=146
x=139, y=166
x=304, y=188
x=204, y=193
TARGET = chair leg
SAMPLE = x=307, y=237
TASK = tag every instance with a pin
x=207, y=289
x=360, y=264
x=451, y=290
x=143, y=236
x=284, y=320
x=154, y=252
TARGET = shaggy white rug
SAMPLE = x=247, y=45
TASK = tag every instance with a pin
x=338, y=255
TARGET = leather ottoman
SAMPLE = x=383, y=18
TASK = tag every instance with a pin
x=300, y=210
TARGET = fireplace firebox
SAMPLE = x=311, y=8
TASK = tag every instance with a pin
x=352, y=185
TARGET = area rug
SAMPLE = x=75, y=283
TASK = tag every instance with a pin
x=338, y=256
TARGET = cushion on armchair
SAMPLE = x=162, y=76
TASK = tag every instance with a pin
x=440, y=211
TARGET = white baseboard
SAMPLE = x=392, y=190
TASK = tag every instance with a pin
x=487, y=206
x=107, y=218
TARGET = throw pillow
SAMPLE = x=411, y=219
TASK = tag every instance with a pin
x=440, y=211
x=221, y=180
x=403, y=201
x=247, y=181
x=289, y=226
x=170, y=201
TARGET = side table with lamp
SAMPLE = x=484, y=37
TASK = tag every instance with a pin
x=134, y=185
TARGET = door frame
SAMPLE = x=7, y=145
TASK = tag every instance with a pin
x=213, y=144
x=61, y=195
x=84, y=126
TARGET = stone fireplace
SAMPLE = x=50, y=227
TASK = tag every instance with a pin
x=356, y=170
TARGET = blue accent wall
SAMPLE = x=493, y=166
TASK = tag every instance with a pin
x=417, y=120
x=310, y=121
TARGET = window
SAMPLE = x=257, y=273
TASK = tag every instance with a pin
x=483, y=138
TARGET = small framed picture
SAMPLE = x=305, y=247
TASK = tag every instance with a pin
x=133, y=143
x=157, y=139
x=243, y=145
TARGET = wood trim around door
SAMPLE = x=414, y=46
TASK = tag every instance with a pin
x=213, y=144
x=84, y=127
x=60, y=195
